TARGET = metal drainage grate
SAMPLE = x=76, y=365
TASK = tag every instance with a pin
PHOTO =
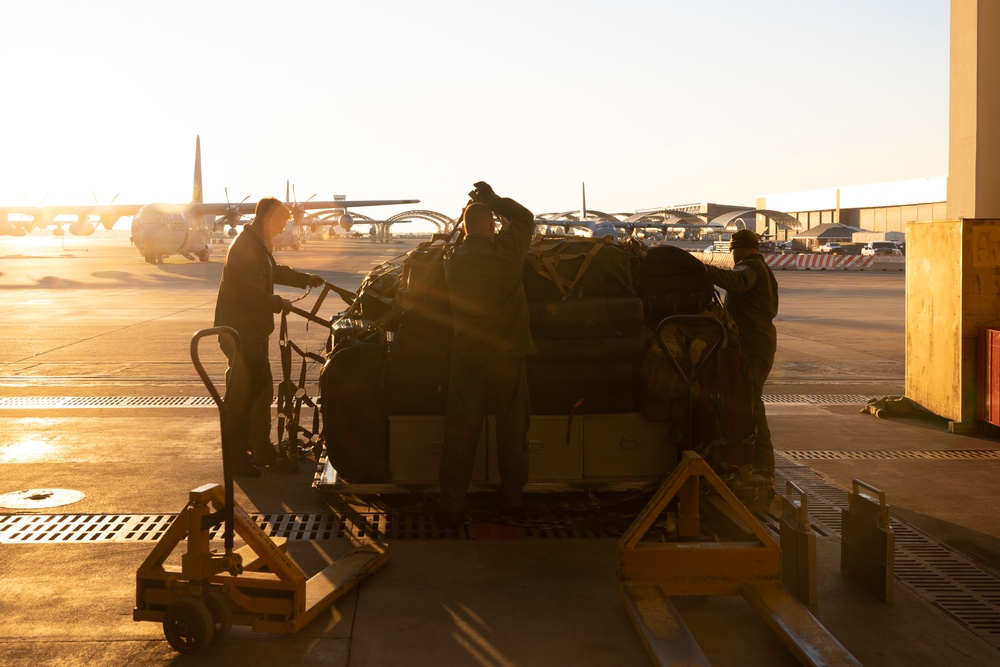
x=943, y=577
x=49, y=528
x=106, y=402
x=816, y=399
x=103, y=528
x=883, y=455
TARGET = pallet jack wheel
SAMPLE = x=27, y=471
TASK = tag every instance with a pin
x=221, y=610
x=188, y=625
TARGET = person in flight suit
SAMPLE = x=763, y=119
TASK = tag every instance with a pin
x=492, y=339
x=247, y=303
x=752, y=300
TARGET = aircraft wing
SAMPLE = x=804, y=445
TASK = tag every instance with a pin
x=248, y=207
x=314, y=205
x=245, y=208
x=49, y=212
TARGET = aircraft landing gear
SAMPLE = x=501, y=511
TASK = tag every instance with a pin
x=203, y=255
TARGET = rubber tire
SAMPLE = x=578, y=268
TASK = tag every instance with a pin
x=188, y=625
x=222, y=615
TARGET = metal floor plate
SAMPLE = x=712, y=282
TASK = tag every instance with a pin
x=888, y=455
x=946, y=579
x=137, y=402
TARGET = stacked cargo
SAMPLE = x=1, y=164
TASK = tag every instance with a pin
x=593, y=305
x=587, y=324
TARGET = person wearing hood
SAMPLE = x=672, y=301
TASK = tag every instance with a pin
x=752, y=300
x=248, y=304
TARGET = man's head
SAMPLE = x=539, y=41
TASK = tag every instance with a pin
x=270, y=216
x=743, y=244
x=477, y=219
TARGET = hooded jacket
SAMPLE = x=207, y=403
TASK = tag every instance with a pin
x=247, y=301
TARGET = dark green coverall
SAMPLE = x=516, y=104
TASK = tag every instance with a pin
x=488, y=360
x=752, y=300
x=247, y=303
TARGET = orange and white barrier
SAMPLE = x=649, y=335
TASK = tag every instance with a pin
x=834, y=262
x=780, y=261
x=815, y=262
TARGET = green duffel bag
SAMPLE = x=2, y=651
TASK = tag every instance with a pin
x=422, y=288
x=564, y=267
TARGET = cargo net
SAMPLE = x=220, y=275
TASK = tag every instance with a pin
x=599, y=313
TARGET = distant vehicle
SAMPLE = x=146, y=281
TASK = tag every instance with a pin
x=710, y=248
x=832, y=247
x=874, y=248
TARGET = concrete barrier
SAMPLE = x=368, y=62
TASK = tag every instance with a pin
x=824, y=262
x=780, y=261
x=814, y=262
x=889, y=263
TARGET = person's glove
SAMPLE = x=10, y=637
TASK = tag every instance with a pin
x=482, y=192
x=316, y=281
x=484, y=189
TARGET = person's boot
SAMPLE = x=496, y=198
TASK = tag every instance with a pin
x=246, y=468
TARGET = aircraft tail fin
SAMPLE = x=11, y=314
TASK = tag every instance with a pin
x=197, y=195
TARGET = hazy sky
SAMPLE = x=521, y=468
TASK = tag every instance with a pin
x=649, y=102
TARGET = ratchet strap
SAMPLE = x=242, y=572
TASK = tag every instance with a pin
x=291, y=393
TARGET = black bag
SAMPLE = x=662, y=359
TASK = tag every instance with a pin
x=355, y=420
x=416, y=387
x=672, y=281
x=599, y=317
x=420, y=339
x=378, y=292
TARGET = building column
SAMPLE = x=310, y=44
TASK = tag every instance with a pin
x=953, y=266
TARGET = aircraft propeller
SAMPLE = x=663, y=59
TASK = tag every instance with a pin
x=37, y=221
x=107, y=216
x=231, y=216
x=297, y=208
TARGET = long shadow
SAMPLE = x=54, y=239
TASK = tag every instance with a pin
x=981, y=548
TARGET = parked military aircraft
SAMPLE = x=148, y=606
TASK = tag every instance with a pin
x=160, y=230
x=594, y=224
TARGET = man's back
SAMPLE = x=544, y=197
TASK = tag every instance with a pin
x=487, y=298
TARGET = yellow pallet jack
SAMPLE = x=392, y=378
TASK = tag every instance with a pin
x=257, y=585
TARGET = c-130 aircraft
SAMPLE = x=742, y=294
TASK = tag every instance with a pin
x=160, y=230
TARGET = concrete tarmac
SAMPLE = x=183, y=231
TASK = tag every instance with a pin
x=88, y=318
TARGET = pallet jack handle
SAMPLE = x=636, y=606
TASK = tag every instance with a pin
x=226, y=513
x=707, y=356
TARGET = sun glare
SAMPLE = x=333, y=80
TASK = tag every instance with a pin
x=25, y=451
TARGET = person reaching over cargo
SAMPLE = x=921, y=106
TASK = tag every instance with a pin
x=247, y=303
x=492, y=339
x=752, y=300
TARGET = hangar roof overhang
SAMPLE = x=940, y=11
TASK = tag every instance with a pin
x=779, y=218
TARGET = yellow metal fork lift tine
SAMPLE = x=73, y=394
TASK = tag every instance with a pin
x=649, y=573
